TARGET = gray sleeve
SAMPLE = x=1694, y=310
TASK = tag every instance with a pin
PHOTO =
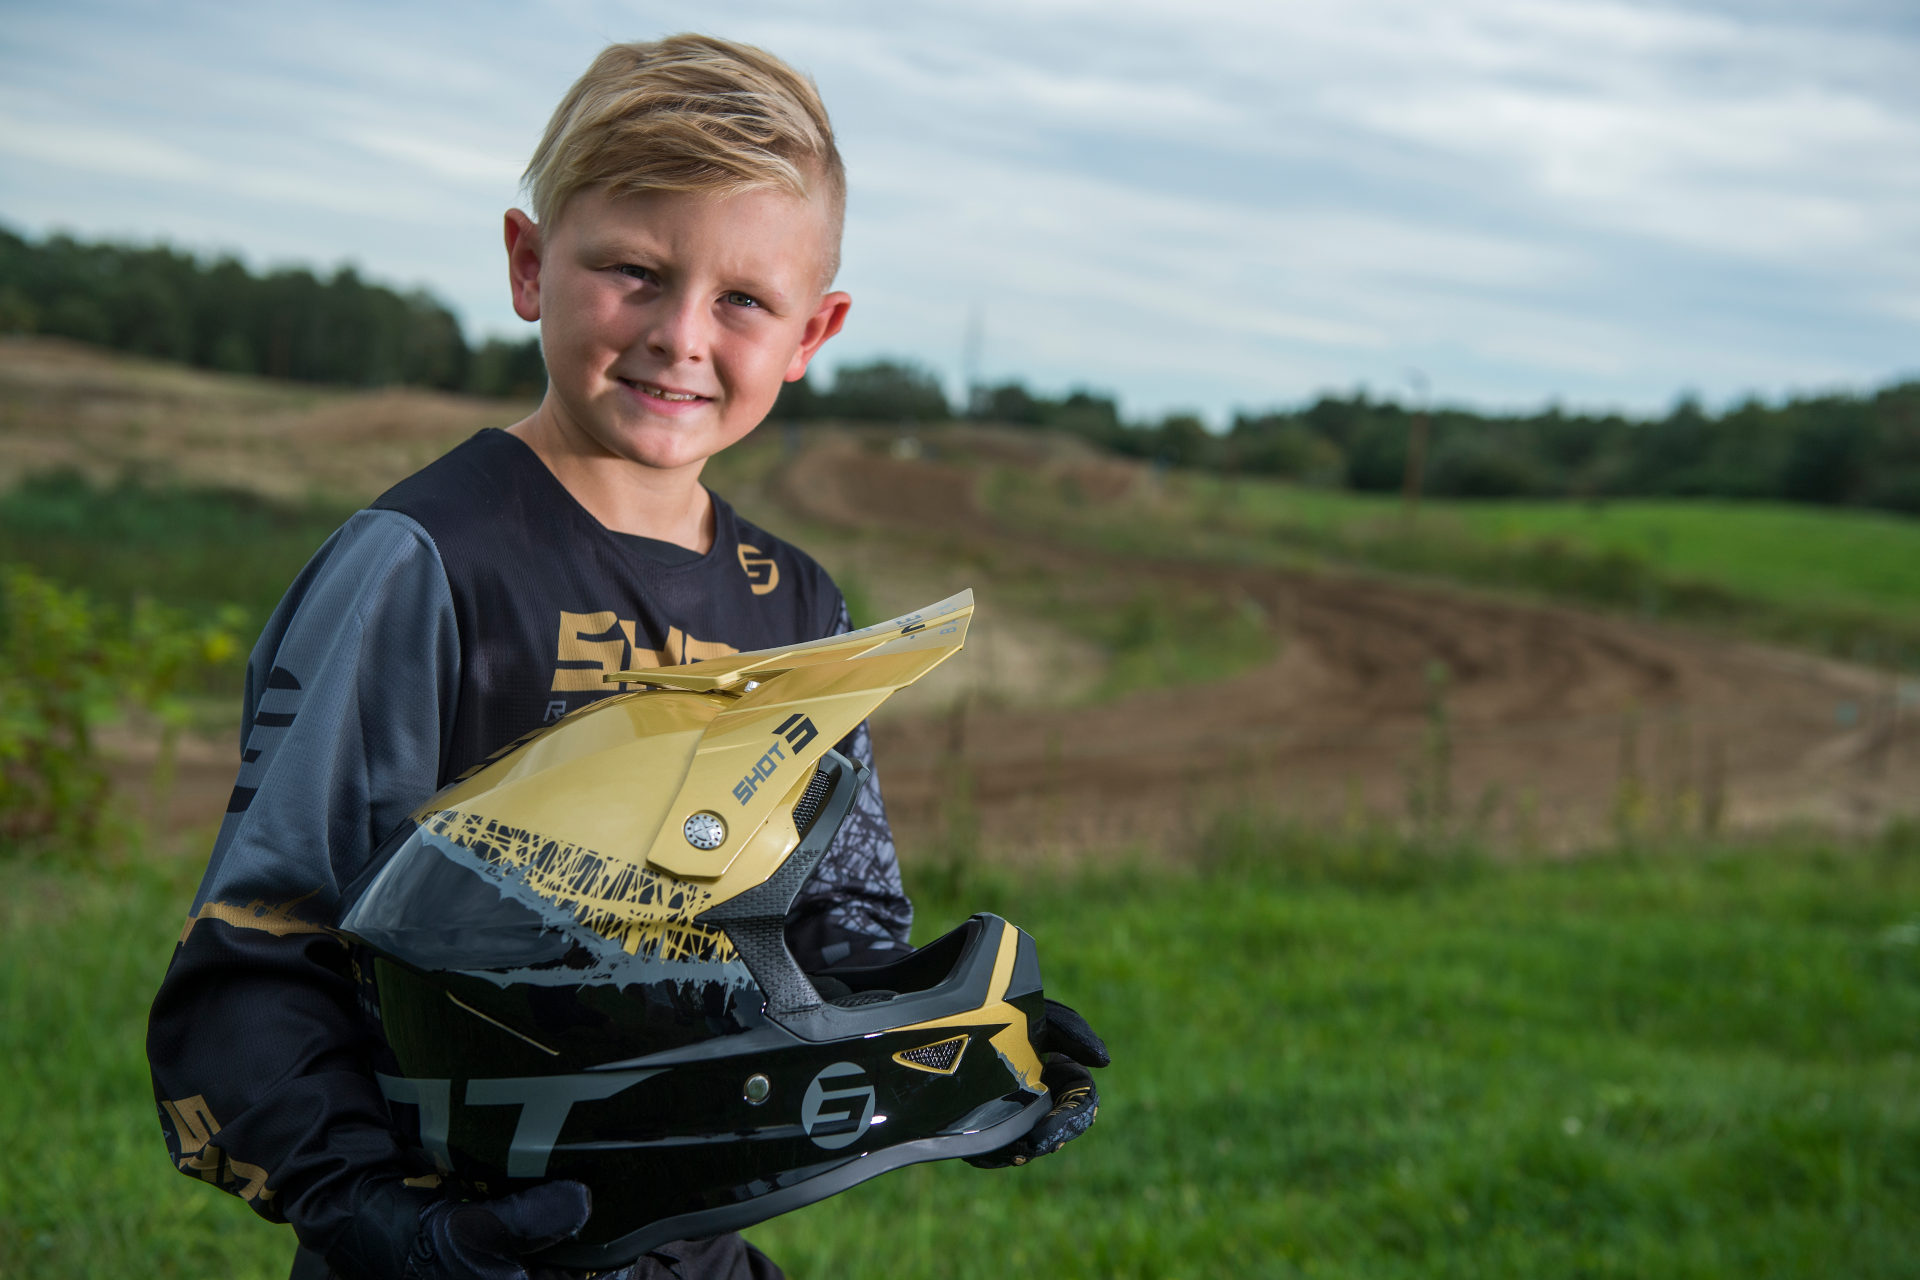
x=254, y=1035
x=854, y=906
x=350, y=697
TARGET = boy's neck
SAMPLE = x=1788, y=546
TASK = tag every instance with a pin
x=623, y=495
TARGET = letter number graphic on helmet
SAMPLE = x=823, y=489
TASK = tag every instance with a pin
x=798, y=730
x=836, y=1116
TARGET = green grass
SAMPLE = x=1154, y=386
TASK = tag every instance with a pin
x=1339, y=1057
x=1844, y=581
x=1795, y=556
x=195, y=549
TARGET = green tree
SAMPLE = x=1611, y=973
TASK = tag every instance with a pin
x=887, y=391
x=508, y=370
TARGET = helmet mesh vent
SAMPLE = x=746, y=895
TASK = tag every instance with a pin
x=858, y=998
x=809, y=807
x=942, y=1057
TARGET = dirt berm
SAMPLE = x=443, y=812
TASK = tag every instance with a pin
x=1388, y=699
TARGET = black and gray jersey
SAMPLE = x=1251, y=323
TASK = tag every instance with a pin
x=471, y=603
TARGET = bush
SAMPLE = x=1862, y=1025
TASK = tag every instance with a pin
x=68, y=667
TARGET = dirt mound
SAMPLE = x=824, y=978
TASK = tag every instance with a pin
x=107, y=414
x=1542, y=724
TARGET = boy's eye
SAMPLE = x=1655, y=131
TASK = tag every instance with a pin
x=638, y=273
x=742, y=300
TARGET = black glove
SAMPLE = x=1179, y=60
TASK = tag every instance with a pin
x=1067, y=1047
x=403, y=1233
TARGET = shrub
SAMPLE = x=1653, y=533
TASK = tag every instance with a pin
x=68, y=667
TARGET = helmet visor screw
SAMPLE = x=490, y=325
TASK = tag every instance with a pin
x=705, y=831
x=756, y=1090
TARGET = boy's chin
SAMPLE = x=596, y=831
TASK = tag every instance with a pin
x=672, y=446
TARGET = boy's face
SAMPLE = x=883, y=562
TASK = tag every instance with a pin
x=670, y=319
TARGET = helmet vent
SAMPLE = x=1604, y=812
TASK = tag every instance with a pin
x=809, y=807
x=942, y=1057
x=858, y=998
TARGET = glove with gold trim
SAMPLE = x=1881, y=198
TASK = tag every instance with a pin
x=1067, y=1047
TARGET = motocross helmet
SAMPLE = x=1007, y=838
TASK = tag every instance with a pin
x=577, y=958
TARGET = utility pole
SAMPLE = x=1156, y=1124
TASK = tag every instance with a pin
x=1416, y=447
x=974, y=405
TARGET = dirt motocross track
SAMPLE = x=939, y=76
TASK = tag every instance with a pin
x=1556, y=724
x=1552, y=726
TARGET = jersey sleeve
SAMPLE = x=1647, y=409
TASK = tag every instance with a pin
x=853, y=909
x=260, y=1059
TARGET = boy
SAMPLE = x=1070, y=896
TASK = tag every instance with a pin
x=686, y=208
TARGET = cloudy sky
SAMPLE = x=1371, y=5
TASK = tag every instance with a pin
x=1213, y=204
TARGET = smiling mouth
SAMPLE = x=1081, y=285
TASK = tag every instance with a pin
x=657, y=392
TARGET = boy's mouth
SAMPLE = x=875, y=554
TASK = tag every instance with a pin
x=667, y=395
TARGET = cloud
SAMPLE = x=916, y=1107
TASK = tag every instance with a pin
x=436, y=156
x=1213, y=203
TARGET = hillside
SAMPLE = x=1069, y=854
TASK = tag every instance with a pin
x=1119, y=690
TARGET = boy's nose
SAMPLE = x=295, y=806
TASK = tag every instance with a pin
x=676, y=329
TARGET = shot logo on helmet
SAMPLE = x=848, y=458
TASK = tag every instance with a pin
x=798, y=730
x=838, y=1106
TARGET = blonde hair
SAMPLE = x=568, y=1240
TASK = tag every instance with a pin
x=689, y=113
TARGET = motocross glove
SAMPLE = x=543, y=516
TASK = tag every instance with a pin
x=404, y=1233
x=1068, y=1046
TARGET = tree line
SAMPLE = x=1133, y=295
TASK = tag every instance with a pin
x=216, y=314
x=1838, y=448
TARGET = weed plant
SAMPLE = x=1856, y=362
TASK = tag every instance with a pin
x=1353, y=1054
x=68, y=668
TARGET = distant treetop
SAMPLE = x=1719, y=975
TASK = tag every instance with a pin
x=216, y=314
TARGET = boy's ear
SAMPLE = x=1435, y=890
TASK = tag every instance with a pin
x=821, y=325
x=523, y=264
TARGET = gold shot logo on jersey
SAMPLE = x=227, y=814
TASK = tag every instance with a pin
x=763, y=572
x=598, y=641
x=592, y=644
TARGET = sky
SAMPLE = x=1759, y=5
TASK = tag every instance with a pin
x=1209, y=205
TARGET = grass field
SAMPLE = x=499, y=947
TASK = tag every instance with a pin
x=1337, y=1054
x=191, y=548
x=1790, y=555
x=1844, y=581
x=1334, y=1056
